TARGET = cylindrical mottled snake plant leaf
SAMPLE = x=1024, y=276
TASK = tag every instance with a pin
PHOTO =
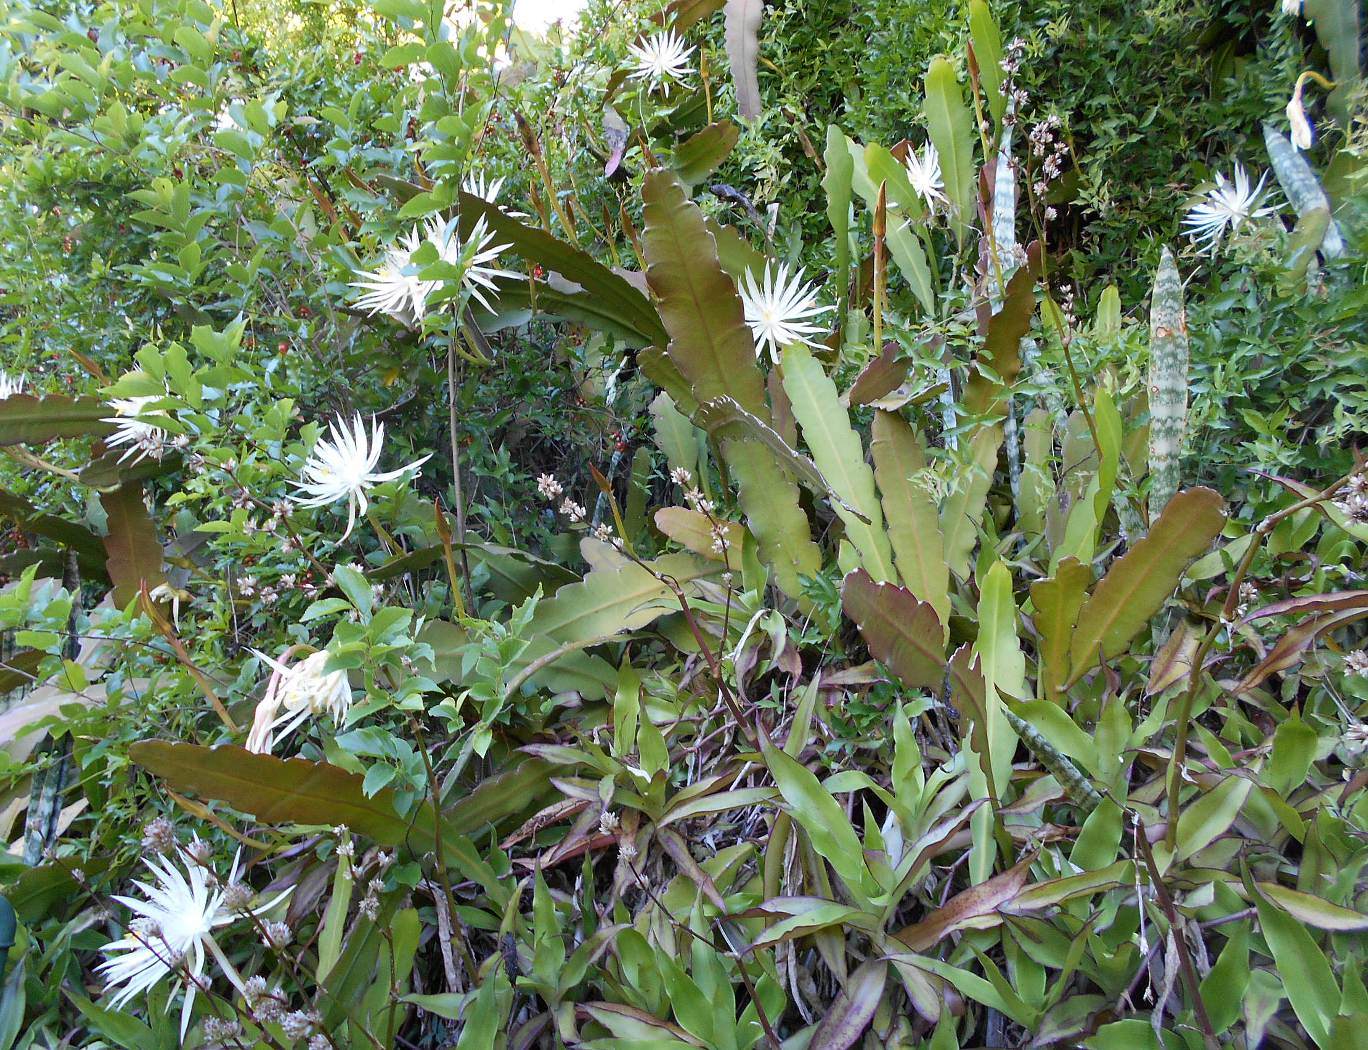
x=1168, y=383
x=1300, y=185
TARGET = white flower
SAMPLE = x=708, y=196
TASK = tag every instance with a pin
x=1227, y=204
x=344, y=467
x=134, y=428
x=175, y=926
x=10, y=385
x=394, y=287
x=661, y=57
x=1356, y=663
x=1292, y=8
x=223, y=120
x=477, y=186
x=778, y=309
x=924, y=173
x=293, y=694
x=473, y=256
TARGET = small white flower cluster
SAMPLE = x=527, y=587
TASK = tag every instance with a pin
x=697, y=501
x=1050, y=150
x=267, y=1004
x=1353, y=504
x=719, y=538
x=681, y=477
x=1356, y=663
x=548, y=488
x=1249, y=594
x=1011, y=63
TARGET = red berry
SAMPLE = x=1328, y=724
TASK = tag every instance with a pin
x=304, y=311
x=283, y=347
x=356, y=58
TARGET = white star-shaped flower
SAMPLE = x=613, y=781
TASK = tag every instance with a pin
x=660, y=58
x=924, y=172
x=1228, y=204
x=472, y=256
x=394, y=287
x=10, y=385
x=486, y=189
x=293, y=694
x=778, y=309
x=343, y=468
x=175, y=926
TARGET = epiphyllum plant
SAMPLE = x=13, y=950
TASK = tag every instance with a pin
x=343, y=468
x=175, y=926
x=779, y=309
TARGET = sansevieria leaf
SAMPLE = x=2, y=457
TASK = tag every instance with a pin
x=1168, y=383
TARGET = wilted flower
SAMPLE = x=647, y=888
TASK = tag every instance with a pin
x=1302, y=133
x=1228, y=204
x=778, y=309
x=159, y=836
x=344, y=467
x=10, y=385
x=175, y=928
x=293, y=694
x=133, y=427
x=1356, y=662
x=924, y=172
x=661, y=57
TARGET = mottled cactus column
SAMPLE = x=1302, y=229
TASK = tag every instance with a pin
x=1168, y=383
